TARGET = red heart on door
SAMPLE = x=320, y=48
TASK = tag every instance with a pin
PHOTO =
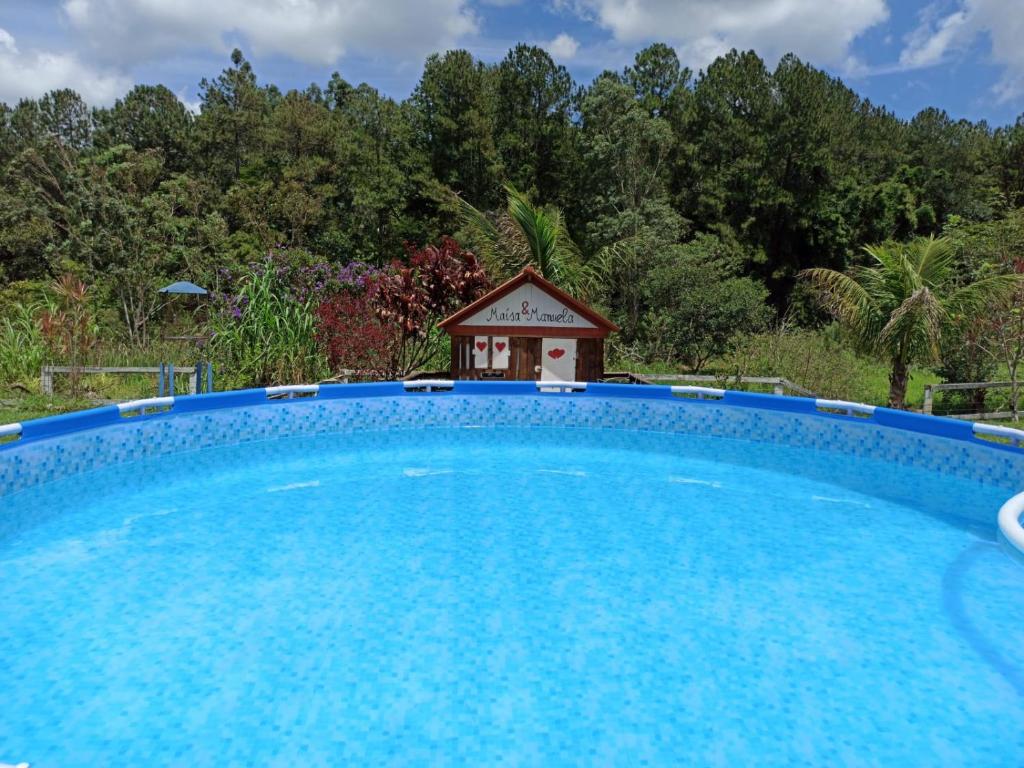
x=481, y=345
x=500, y=346
x=556, y=353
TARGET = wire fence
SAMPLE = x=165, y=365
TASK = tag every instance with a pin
x=777, y=385
x=972, y=400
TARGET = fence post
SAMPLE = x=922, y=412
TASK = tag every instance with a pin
x=928, y=399
x=46, y=380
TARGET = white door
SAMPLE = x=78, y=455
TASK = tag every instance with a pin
x=558, y=360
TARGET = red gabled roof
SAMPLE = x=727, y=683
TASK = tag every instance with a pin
x=528, y=275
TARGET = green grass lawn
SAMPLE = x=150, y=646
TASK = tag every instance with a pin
x=17, y=406
x=876, y=379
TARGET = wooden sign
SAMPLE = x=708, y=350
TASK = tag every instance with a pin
x=530, y=306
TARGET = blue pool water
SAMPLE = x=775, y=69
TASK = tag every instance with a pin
x=509, y=597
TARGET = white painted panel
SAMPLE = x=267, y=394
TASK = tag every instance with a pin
x=499, y=352
x=480, y=344
x=558, y=359
x=528, y=305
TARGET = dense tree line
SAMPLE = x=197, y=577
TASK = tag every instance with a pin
x=733, y=180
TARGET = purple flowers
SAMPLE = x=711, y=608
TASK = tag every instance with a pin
x=302, y=281
x=323, y=278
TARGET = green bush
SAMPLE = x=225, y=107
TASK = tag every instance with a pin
x=701, y=303
x=22, y=349
x=816, y=360
x=265, y=336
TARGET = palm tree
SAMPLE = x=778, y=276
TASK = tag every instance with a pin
x=898, y=307
x=526, y=234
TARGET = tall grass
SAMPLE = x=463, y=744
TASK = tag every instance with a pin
x=822, y=362
x=22, y=348
x=266, y=336
x=813, y=359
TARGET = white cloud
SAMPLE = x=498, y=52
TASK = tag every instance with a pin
x=939, y=37
x=818, y=30
x=25, y=74
x=563, y=47
x=312, y=31
x=7, y=44
x=192, y=105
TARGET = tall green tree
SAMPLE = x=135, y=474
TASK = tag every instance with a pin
x=898, y=307
x=1010, y=163
x=148, y=117
x=626, y=151
x=952, y=162
x=534, y=101
x=382, y=178
x=701, y=304
x=233, y=108
x=658, y=80
x=454, y=112
x=64, y=116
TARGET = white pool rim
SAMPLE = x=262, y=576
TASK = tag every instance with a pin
x=1009, y=522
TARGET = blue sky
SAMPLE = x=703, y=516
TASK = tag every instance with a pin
x=964, y=56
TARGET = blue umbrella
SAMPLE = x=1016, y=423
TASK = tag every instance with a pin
x=183, y=286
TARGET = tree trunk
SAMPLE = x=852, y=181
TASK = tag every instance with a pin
x=899, y=377
x=1014, y=391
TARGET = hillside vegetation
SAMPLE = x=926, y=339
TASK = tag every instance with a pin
x=334, y=226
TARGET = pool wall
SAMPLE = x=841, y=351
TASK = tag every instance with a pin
x=55, y=447
x=49, y=449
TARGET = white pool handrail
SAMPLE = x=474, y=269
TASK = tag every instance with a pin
x=428, y=385
x=149, y=402
x=1015, y=436
x=9, y=430
x=292, y=390
x=1009, y=522
x=700, y=392
x=846, y=406
x=561, y=386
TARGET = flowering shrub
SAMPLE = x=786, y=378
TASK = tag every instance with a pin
x=318, y=280
x=302, y=280
x=353, y=337
x=380, y=323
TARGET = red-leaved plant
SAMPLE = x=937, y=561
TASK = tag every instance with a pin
x=388, y=326
x=354, y=339
x=415, y=296
x=68, y=327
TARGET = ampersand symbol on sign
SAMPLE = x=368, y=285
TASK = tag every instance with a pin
x=526, y=307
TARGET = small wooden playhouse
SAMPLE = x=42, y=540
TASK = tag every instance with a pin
x=528, y=329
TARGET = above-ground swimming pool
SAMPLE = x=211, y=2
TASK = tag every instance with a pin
x=495, y=575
